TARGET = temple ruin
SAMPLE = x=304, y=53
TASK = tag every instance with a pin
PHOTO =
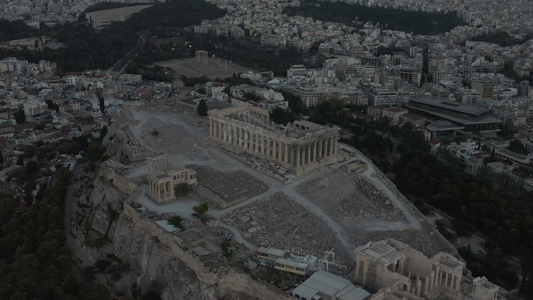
x=394, y=268
x=164, y=175
x=201, y=56
x=300, y=146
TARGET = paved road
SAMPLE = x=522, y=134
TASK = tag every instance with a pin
x=237, y=234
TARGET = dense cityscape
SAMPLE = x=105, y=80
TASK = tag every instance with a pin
x=255, y=149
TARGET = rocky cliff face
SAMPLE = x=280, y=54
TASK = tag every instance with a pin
x=110, y=227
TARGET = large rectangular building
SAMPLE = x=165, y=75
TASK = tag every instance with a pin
x=464, y=117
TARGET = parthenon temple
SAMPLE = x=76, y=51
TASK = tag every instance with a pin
x=300, y=146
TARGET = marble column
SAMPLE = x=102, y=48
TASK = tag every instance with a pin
x=281, y=151
x=418, y=287
x=277, y=152
x=274, y=149
x=266, y=141
x=286, y=160
x=225, y=132
x=314, y=144
x=253, y=144
x=268, y=147
x=319, y=145
x=438, y=277
x=297, y=155
x=453, y=283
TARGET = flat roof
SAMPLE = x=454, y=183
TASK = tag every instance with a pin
x=395, y=109
x=331, y=285
x=379, y=250
x=488, y=119
x=162, y=176
x=166, y=225
x=452, y=105
x=442, y=125
x=352, y=292
x=272, y=251
x=292, y=263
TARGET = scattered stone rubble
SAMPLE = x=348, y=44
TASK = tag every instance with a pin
x=271, y=222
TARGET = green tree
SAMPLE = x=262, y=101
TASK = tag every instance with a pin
x=282, y=116
x=517, y=147
x=20, y=116
x=202, y=208
x=202, y=108
x=182, y=189
x=103, y=132
x=176, y=221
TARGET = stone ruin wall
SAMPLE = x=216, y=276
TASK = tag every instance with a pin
x=206, y=193
x=225, y=280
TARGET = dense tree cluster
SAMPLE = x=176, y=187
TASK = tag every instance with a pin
x=510, y=72
x=33, y=251
x=501, y=38
x=409, y=21
x=174, y=14
x=202, y=108
x=296, y=109
x=34, y=259
x=258, y=57
x=329, y=111
x=493, y=205
x=12, y=30
x=86, y=48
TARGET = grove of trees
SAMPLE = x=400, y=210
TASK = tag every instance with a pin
x=490, y=205
x=202, y=108
x=396, y=19
x=35, y=261
x=86, y=48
